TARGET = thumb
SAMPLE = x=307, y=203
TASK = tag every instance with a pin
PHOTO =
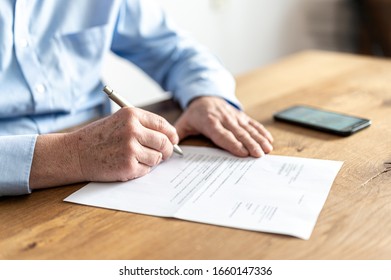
x=184, y=128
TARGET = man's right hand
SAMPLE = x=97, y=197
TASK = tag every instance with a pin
x=123, y=146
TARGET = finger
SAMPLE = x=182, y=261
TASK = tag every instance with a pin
x=183, y=127
x=158, y=123
x=140, y=170
x=262, y=130
x=242, y=135
x=133, y=170
x=156, y=141
x=147, y=156
x=253, y=147
x=259, y=137
x=226, y=140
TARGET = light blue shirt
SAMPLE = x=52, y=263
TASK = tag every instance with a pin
x=51, y=56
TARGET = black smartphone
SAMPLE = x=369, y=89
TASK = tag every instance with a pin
x=323, y=120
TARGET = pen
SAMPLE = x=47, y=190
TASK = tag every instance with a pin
x=123, y=103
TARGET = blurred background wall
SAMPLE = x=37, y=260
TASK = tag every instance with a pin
x=245, y=34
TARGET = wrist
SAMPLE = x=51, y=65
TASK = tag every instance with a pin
x=211, y=98
x=55, y=161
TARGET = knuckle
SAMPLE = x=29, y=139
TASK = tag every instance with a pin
x=263, y=140
x=232, y=123
x=253, y=148
x=161, y=124
x=237, y=146
x=245, y=124
x=230, y=119
x=242, y=135
x=163, y=143
x=260, y=125
x=238, y=149
x=132, y=149
x=261, y=129
x=226, y=118
x=128, y=113
x=211, y=120
x=253, y=132
x=130, y=126
x=131, y=165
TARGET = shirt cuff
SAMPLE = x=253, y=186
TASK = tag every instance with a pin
x=207, y=88
x=16, y=153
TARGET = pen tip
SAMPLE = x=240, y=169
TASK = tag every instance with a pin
x=178, y=150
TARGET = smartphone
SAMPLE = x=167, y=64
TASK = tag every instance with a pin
x=322, y=120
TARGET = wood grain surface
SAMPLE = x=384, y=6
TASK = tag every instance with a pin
x=355, y=222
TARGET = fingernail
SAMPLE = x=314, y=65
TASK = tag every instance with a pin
x=161, y=158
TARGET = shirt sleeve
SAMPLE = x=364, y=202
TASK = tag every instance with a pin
x=16, y=154
x=147, y=37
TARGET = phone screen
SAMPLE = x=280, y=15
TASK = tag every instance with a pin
x=323, y=120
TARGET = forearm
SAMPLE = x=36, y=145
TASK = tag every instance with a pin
x=55, y=161
x=121, y=147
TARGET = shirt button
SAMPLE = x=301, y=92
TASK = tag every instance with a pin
x=40, y=88
x=24, y=43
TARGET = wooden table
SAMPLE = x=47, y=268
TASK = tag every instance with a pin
x=355, y=222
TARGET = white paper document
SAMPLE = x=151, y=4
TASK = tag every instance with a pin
x=276, y=194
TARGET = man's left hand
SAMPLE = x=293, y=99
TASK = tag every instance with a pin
x=226, y=126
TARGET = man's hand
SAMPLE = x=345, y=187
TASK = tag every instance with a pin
x=120, y=147
x=226, y=126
